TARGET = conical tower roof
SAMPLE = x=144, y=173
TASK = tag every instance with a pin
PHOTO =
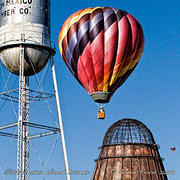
x=129, y=152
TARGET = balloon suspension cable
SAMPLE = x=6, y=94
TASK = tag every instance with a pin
x=100, y=105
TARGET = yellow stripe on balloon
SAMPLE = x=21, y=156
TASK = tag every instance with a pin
x=135, y=62
x=105, y=88
x=87, y=11
x=119, y=74
x=62, y=35
x=72, y=21
x=113, y=79
x=106, y=81
x=123, y=70
x=115, y=74
x=126, y=68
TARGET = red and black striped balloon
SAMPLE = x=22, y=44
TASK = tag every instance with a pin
x=101, y=47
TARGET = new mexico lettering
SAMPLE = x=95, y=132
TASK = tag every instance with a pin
x=5, y=11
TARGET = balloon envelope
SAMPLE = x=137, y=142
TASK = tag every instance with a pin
x=101, y=47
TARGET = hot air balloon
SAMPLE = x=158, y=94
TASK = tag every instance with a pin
x=101, y=47
x=173, y=149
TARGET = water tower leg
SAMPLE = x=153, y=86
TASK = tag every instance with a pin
x=23, y=129
x=25, y=155
x=20, y=120
x=60, y=119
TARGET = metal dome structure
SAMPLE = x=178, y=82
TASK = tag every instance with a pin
x=129, y=152
x=128, y=131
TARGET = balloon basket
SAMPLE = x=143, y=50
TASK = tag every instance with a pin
x=101, y=113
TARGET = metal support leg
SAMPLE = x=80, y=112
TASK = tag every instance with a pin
x=23, y=129
x=60, y=119
x=20, y=120
x=26, y=129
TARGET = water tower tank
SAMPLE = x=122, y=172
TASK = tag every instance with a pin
x=26, y=23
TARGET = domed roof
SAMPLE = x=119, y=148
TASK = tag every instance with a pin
x=128, y=131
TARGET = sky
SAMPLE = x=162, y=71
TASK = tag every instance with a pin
x=151, y=95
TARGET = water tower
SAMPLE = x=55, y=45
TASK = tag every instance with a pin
x=129, y=152
x=25, y=48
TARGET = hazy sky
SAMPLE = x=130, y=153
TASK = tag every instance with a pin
x=151, y=94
